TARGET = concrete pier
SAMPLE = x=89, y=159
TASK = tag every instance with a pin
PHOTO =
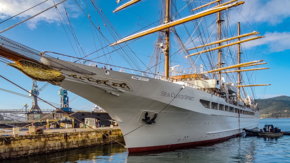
x=56, y=140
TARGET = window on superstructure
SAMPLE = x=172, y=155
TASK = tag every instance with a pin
x=232, y=109
x=226, y=108
x=205, y=103
x=221, y=107
x=214, y=105
x=236, y=110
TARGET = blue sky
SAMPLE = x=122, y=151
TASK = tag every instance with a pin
x=45, y=32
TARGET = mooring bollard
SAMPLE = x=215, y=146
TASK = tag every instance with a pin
x=31, y=130
x=47, y=126
x=15, y=131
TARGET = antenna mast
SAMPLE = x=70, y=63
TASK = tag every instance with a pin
x=167, y=41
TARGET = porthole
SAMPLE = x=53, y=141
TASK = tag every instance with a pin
x=107, y=72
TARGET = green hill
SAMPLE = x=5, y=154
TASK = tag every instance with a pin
x=276, y=107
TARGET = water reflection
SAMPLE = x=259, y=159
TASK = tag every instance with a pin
x=235, y=150
x=240, y=149
x=106, y=153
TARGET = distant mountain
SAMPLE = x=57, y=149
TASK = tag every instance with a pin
x=276, y=107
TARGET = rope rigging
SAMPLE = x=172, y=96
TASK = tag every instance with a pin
x=23, y=12
x=202, y=35
x=62, y=24
x=114, y=31
x=30, y=17
x=227, y=28
x=110, y=30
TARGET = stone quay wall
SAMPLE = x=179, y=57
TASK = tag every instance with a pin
x=27, y=145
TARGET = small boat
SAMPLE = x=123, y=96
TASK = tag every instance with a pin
x=267, y=131
x=270, y=131
x=286, y=133
x=252, y=132
x=270, y=134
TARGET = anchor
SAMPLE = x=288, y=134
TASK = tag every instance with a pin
x=147, y=119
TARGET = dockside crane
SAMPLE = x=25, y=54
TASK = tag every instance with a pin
x=34, y=92
x=23, y=95
x=64, y=100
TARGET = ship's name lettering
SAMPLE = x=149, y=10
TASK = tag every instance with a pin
x=174, y=95
x=105, y=82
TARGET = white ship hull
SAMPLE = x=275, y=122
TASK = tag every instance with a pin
x=181, y=121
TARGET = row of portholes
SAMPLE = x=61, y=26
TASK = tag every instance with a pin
x=224, y=122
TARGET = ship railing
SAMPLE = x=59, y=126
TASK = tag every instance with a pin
x=127, y=70
x=92, y=63
x=146, y=73
x=191, y=85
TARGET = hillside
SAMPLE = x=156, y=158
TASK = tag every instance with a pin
x=276, y=107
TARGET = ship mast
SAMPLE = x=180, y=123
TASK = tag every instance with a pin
x=239, y=61
x=219, y=22
x=167, y=40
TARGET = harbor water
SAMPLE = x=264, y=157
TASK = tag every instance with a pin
x=239, y=149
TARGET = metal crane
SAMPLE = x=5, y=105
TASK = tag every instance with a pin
x=34, y=92
x=26, y=96
x=64, y=100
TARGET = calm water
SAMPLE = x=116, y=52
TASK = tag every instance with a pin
x=241, y=149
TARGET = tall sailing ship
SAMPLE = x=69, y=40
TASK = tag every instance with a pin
x=179, y=107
